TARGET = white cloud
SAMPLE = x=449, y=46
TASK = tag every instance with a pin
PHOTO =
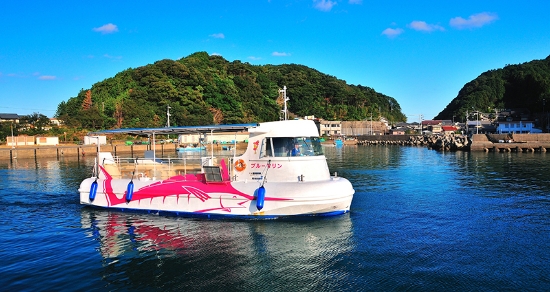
x=218, y=35
x=215, y=54
x=324, y=5
x=423, y=26
x=112, y=57
x=475, y=20
x=47, y=77
x=107, y=28
x=254, y=58
x=355, y=1
x=392, y=32
x=280, y=54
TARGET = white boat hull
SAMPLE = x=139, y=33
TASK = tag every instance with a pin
x=189, y=198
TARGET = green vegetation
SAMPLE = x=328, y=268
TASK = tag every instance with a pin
x=203, y=90
x=525, y=86
x=37, y=124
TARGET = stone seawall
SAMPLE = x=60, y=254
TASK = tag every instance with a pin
x=437, y=142
x=477, y=142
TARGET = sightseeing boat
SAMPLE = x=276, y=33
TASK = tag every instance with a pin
x=282, y=173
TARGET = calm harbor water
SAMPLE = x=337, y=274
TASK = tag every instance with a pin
x=420, y=221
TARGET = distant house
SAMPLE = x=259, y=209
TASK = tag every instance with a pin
x=56, y=122
x=330, y=128
x=20, y=140
x=435, y=129
x=9, y=117
x=47, y=141
x=505, y=127
x=358, y=128
x=447, y=130
x=397, y=131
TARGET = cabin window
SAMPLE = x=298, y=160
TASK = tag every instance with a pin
x=283, y=146
x=265, y=148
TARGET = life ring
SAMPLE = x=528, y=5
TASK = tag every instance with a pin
x=240, y=165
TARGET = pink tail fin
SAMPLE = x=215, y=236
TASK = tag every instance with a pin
x=225, y=172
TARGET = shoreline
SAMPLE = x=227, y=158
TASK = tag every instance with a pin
x=477, y=142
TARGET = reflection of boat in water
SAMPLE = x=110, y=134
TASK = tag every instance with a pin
x=191, y=148
x=266, y=181
x=118, y=232
x=122, y=233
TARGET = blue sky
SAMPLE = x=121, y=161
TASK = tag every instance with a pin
x=419, y=52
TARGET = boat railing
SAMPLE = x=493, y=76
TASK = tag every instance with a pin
x=160, y=168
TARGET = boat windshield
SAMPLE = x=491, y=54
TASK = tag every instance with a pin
x=291, y=146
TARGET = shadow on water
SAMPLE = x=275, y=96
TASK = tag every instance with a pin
x=142, y=251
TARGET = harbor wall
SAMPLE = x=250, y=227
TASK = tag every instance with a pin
x=76, y=150
x=510, y=142
x=58, y=151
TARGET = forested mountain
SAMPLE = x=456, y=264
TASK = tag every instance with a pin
x=525, y=86
x=204, y=90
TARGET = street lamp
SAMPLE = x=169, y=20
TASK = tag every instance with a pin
x=477, y=122
x=420, y=117
x=12, y=141
x=544, y=116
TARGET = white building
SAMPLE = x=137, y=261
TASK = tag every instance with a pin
x=330, y=128
x=44, y=141
x=93, y=140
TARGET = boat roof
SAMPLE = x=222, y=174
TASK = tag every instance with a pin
x=178, y=130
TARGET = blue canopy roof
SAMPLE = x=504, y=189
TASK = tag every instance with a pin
x=178, y=130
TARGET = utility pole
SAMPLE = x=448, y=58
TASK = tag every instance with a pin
x=168, y=119
x=477, y=123
x=544, y=116
x=12, y=141
x=168, y=116
x=420, y=118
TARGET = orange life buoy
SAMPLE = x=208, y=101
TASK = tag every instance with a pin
x=240, y=165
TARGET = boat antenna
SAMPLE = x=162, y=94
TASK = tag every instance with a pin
x=285, y=99
x=265, y=174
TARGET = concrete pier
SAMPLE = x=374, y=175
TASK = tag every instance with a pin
x=510, y=143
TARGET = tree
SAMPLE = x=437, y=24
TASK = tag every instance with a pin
x=202, y=89
x=87, y=103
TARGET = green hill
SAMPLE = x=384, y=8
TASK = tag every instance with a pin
x=202, y=89
x=525, y=86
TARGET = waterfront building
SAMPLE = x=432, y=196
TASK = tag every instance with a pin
x=520, y=127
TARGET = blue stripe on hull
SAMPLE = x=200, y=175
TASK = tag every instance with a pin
x=220, y=216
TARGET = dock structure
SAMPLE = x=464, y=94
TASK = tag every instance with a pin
x=510, y=143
